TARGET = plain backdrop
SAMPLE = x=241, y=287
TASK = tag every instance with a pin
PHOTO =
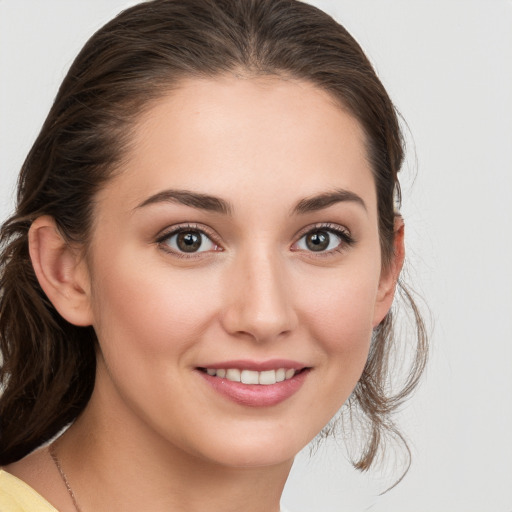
x=447, y=64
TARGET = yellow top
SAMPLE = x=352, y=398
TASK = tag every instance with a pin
x=17, y=496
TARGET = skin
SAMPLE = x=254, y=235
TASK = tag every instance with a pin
x=256, y=291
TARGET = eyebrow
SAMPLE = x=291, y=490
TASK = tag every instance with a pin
x=217, y=205
x=188, y=198
x=321, y=201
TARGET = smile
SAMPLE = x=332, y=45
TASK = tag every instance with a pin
x=252, y=377
x=262, y=387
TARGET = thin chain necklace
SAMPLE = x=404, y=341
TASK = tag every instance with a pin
x=53, y=455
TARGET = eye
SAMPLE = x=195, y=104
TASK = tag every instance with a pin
x=188, y=240
x=323, y=239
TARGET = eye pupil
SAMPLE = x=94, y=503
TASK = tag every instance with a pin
x=189, y=241
x=317, y=240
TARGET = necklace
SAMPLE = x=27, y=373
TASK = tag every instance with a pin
x=53, y=455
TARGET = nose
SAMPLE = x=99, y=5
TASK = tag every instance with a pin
x=259, y=304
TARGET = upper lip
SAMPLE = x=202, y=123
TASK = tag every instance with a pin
x=259, y=366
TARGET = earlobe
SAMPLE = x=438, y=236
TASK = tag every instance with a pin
x=61, y=271
x=389, y=276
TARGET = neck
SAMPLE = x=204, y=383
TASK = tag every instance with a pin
x=116, y=464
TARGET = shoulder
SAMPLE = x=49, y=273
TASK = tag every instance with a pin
x=17, y=496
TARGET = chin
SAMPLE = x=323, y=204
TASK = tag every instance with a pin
x=255, y=457
x=255, y=447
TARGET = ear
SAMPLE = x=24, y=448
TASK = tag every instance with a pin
x=61, y=271
x=389, y=276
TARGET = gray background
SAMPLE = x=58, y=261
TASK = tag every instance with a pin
x=448, y=66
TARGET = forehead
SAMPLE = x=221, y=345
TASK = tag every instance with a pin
x=242, y=137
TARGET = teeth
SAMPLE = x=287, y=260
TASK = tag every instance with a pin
x=251, y=377
x=289, y=374
x=233, y=374
x=268, y=377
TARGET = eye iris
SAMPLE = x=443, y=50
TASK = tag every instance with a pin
x=189, y=241
x=317, y=241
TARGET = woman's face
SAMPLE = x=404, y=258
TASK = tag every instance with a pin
x=240, y=241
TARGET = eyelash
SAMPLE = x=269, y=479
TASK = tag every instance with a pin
x=344, y=235
x=187, y=228
x=346, y=239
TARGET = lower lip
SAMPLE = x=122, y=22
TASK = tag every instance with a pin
x=256, y=395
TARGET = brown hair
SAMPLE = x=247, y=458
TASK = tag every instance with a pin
x=48, y=366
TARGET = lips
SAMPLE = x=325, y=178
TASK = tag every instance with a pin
x=255, y=384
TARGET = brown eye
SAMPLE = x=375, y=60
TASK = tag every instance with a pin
x=189, y=241
x=324, y=239
x=317, y=240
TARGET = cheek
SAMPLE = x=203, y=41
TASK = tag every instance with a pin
x=340, y=319
x=149, y=307
x=341, y=308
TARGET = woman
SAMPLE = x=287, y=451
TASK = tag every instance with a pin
x=202, y=262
